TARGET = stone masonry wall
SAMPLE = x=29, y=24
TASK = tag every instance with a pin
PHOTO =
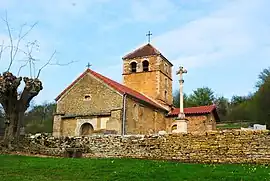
x=197, y=124
x=141, y=119
x=102, y=98
x=154, y=79
x=213, y=147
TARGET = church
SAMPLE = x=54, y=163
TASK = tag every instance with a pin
x=142, y=104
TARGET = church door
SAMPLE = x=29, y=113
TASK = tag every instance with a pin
x=86, y=129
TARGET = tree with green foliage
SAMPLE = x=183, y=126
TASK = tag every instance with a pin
x=202, y=97
x=254, y=107
x=222, y=104
x=40, y=118
x=263, y=76
x=176, y=99
x=199, y=97
x=262, y=101
x=237, y=100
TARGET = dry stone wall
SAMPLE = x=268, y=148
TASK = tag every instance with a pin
x=214, y=147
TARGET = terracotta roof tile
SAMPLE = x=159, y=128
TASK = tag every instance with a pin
x=145, y=50
x=115, y=85
x=194, y=110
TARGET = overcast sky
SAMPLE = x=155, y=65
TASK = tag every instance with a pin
x=224, y=44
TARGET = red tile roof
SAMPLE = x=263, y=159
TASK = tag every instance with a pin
x=194, y=110
x=115, y=85
x=145, y=50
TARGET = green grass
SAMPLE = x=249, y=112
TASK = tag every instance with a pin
x=24, y=168
x=232, y=125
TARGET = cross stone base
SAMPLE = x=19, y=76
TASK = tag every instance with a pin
x=181, y=125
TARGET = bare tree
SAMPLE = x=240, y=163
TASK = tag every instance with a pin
x=14, y=102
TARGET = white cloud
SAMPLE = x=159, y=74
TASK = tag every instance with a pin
x=231, y=31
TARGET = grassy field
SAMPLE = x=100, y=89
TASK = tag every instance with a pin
x=24, y=168
x=232, y=125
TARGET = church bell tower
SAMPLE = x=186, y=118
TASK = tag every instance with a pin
x=147, y=71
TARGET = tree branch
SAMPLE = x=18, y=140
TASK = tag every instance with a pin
x=22, y=36
x=22, y=67
x=2, y=49
x=46, y=64
x=14, y=49
x=63, y=64
x=11, y=41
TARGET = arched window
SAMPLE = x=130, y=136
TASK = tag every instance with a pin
x=145, y=66
x=133, y=66
x=86, y=129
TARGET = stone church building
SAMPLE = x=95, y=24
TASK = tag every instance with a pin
x=94, y=103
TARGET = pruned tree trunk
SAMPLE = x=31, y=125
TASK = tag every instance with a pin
x=16, y=104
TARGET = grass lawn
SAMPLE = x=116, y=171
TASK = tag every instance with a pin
x=232, y=125
x=24, y=168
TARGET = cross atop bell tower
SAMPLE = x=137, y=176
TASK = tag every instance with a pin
x=147, y=71
x=149, y=34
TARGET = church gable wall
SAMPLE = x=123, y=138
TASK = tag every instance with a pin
x=141, y=119
x=89, y=96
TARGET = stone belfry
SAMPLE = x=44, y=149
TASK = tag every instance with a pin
x=147, y=71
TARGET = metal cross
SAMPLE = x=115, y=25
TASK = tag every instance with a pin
x=88, y=65
x=149, y=36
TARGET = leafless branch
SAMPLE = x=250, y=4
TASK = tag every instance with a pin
x=46, y=64
x=2, y=49
x=11, y=41
x=63, y=64
x=22, y=36
x=14, y=49
x=22, y=67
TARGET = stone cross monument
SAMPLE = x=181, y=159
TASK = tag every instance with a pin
x=181, y=122
x=180, y=72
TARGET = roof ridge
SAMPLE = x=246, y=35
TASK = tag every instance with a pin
x=140, y=48
x=129, y=90
x=194, y=110
x=71, y=85
x=115, y=85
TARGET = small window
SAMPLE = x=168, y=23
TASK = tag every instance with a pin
x=165, y=95
x=166, y=83
x=145, y=66
x=166, y=68
x=87, y=97
x=133, y=67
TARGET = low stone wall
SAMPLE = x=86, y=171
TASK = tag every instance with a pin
x=214, y=147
